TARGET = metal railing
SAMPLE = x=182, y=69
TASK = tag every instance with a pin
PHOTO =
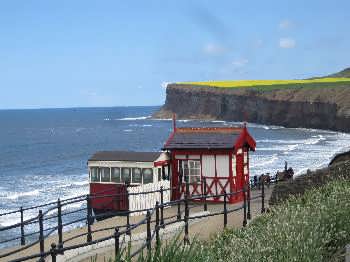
x=160, y=222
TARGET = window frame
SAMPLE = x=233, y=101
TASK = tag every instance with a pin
x=189, y=174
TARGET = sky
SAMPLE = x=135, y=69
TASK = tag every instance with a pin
x=85, y=53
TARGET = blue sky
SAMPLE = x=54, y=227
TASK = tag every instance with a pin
x=117, y=53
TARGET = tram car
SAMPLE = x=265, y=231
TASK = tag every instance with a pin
x=113, y=174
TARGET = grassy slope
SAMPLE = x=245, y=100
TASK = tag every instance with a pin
x=313, y=227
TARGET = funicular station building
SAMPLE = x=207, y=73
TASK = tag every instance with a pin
x=213, y=160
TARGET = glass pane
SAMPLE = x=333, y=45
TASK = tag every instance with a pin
x=105, y=175
x=147, y=175
x=136, y=175
x=95, y=176
x=115, y=175
x=126, y=175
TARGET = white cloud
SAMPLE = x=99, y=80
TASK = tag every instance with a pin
x=214, y=49
x=287, y=42
x=240, y=62
x=286, y=24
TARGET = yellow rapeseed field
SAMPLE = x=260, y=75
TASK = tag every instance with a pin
x=250, y=83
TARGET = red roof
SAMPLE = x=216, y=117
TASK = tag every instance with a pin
x=209, y=138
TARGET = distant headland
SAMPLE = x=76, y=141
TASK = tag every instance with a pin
x=319, y=102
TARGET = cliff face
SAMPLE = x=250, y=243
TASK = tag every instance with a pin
x=322, y=108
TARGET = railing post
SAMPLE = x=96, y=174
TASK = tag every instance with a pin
x=179, y=202
x=186, y=237
x=262, y=196
x=53, y=252
x=59, y=224
x=128, y=232
x=41, y=236
x=162, y=207
x=157, y=225
x=23, y=240
x=249, y=216
x=244, y=208
x=205, y=193
x=116, y=243
x=148, y=239
x=225, y=209
x=88, y=219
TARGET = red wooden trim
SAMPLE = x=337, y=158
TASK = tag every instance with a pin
x=170, y=138
x=161, y=163
x=202, y=151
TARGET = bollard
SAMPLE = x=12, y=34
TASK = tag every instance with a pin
x=186, y=237
x=157, y=224
x=249, y=216
x=23, y=240
x=262, y=196
x=41, y=236
x=59, y=224
x=116, y=243
x=205, y=194
x=244, y=209
x=148, y=239
x=162, y=207
x=225, y=209
x=53, y=252
x=88, y=219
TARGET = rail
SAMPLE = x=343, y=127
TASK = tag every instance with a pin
x=157, y=212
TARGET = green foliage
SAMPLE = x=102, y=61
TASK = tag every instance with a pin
x=313, y=227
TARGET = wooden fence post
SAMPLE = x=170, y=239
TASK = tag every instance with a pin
x=186, y=237
x=249, y=216
x=116, y=243
x=225, y=209
x=205, y=193
x=162, y=207
x=88, y=219
x=148, y=239
x=244, y=208
x=23, y=240
x=59, y=224
x=41, y=236
x=262, y=196
x=53, y=252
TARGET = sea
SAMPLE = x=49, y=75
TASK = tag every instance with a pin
x=44, y=152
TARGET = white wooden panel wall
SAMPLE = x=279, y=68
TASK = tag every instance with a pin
x=234, y=172
x=222, y=165
x=137, y=202
x=208, y=165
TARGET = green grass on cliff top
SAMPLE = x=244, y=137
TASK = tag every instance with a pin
x=267, y=84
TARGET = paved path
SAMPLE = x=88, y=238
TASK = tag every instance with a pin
x=202, y=229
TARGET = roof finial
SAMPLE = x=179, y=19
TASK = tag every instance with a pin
x=174, y=122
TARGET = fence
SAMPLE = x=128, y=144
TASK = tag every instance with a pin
x=154, y=214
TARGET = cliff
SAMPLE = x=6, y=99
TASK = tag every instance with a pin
x=321, y=107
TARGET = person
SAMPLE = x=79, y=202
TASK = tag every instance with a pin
x=285, y=166
x=255, y=181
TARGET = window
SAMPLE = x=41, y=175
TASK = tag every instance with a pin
x=147, y=175
x=105, y=174
x=126, y=175
x=136, y=175
x=234, y=165
x=192, y=171
x=94, y=174
x=115, y=176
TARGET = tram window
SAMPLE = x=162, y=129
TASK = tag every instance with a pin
x=126, y=175
x=147, y=175
x=94, y=174
x=115, y=176
x=105, y=174
x=136, y=175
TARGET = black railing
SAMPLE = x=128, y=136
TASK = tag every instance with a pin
x=126, y=230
